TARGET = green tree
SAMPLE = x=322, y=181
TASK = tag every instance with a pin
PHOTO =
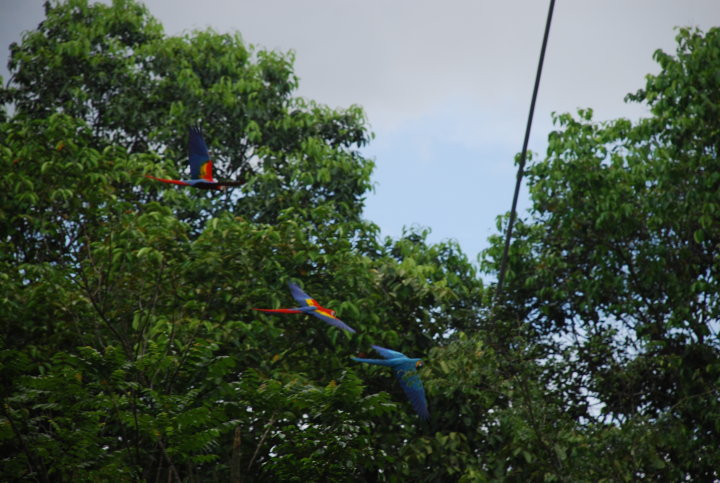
x=128, y=344
x=112, y=66
x=129, y=348
x=617, y=274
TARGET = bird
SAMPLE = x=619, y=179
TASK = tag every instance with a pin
x=312, y=307
x=200, y=166
x=406, y=371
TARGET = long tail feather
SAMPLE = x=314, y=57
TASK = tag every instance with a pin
x=282, y=311
x=170, y=181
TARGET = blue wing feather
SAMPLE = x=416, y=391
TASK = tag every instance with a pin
x=379, y=362
x=198, y=152
x=388, y=353
x=298, y=294
x=414, y=390
x=407, y=375
x=332, y=321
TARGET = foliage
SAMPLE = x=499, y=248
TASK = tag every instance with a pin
x=128, y=344
x=617, y=274
x=133, y=341
x=127, y=330
x=112, y=66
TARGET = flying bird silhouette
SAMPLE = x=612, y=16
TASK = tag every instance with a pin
x=312, y=307
x=200, y=166
x=405, y=370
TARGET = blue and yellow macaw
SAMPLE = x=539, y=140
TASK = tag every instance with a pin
x=200, y=166
x=406, y=371
x=312, y=307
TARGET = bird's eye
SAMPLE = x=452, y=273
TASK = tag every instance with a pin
x=419, y=364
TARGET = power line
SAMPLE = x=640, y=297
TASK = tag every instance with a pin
x=523, y=156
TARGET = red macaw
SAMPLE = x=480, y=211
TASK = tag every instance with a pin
x=200, y=166
x=312, y=307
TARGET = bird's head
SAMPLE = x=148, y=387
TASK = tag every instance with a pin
x=331, y=312
x=419, y=364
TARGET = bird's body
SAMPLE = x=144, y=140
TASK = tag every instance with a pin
x=312, y=307
x=200, y=166
x=406, y=371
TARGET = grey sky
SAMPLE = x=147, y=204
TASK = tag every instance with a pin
x=445, y=85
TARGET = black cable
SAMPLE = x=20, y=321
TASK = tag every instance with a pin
x=523, y=156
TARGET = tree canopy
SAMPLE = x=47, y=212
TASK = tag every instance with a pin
x=616, y=273
x=128, y=344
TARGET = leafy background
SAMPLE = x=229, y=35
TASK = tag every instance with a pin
x=130, y=350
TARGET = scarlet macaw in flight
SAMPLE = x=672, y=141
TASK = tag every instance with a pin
x=200, y=166
x=405, y=370
x=308, y=305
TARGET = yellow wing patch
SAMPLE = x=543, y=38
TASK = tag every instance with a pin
x=206, y=170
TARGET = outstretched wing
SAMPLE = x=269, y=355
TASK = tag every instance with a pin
x=301, y=297
x=414, y=390
x=306, y=301
x=332, y=320
x=198, y=156
x=171, y=181
x=388, y=353
x=379, y=362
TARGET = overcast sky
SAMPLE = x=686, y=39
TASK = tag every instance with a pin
x=446, y=85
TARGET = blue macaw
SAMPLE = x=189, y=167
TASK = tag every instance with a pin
x=200, y=166
x=405, y=370
x=312, y=307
